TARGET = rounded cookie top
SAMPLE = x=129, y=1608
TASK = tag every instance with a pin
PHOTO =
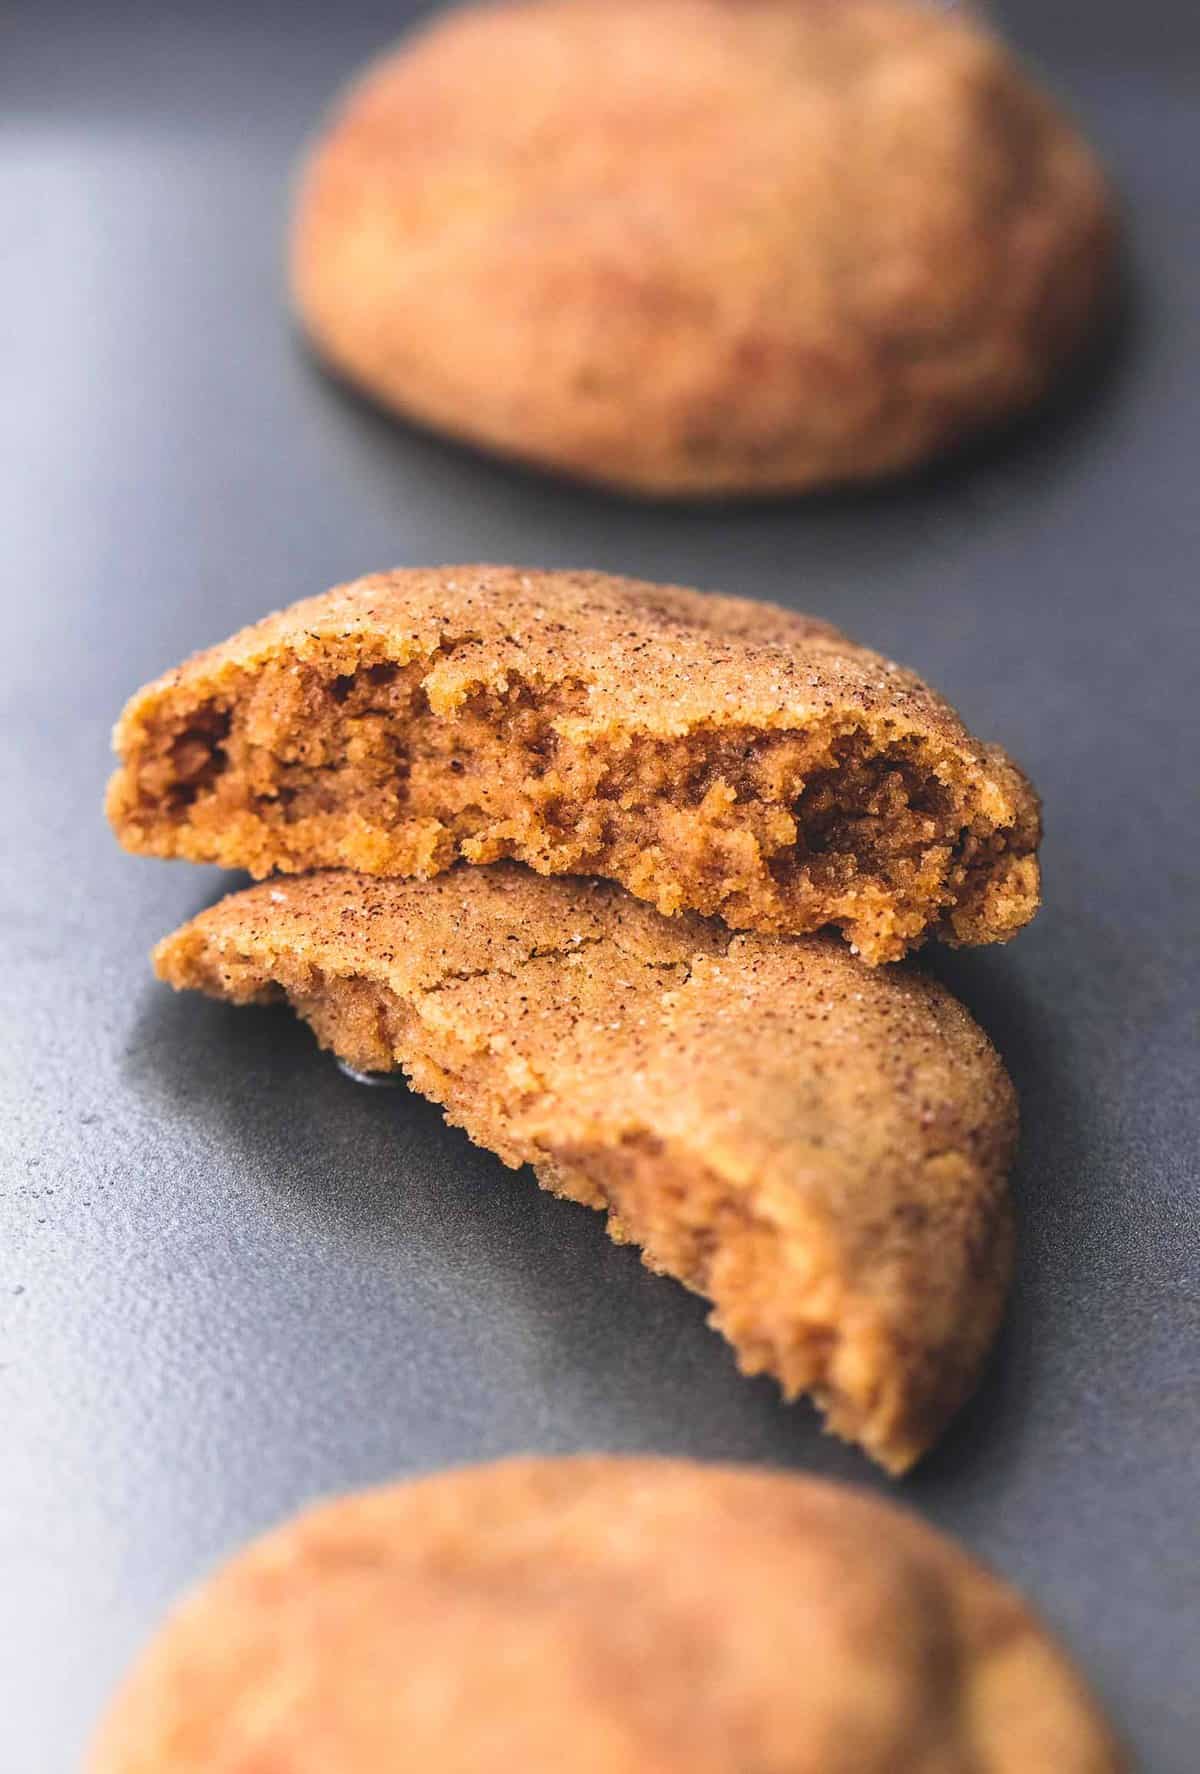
x=650, y=658
x=702, y=246
x=608, y=1616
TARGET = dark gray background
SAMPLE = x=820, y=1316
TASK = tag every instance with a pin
x=230, y=1279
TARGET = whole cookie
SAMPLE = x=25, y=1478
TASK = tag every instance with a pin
x=818, y=1147
x=710, y=753
x=604, y=1616
x=692, y=247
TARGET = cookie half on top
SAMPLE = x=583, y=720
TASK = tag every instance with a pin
x=710, y=753
x=818, y=1147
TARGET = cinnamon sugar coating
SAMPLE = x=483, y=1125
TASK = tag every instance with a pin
x=703, y=247
x=604, y=1616
x=816, y=1146
x=710, y=753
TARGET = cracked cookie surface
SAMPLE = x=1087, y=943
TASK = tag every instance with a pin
x=703, y=247
x=816, y=1146
x=710, y=753
x=605, y=1616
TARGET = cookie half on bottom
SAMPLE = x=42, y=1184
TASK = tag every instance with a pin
x=605, y=1616
x=817, y=1146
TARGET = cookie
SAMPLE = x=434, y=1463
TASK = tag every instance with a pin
x=816, y=1146
x=605, y=1616
x=703, y=247
x=707, y=752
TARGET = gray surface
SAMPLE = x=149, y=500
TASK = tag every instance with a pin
x=230, y=1279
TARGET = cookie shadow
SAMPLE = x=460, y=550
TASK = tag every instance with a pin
x=987, y=1436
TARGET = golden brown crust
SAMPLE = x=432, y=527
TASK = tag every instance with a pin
x=818, y=1147
x=708, y=752
x=605, y=1616
x=703, y=246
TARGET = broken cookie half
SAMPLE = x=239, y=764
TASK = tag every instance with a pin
x=818, y=1147
x=709, y=753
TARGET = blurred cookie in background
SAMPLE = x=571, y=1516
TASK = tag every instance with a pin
x=703, y=247
x=604, y=1616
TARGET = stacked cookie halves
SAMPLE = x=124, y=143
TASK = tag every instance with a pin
x=617, y=873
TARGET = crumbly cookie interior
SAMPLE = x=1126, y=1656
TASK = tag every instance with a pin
x=841, y=820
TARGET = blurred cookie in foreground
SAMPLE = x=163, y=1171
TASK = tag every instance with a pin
x=703, y=247
x=604, y=1616
x=710, y=753
x=818, y=1147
